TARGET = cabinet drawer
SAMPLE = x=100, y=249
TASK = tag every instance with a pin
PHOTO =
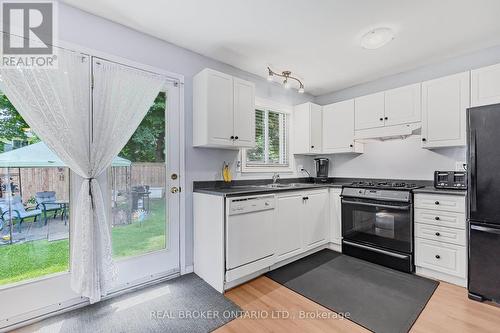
x=440, y=234
x=441, y=257
x=440, y=218
x=451, y=203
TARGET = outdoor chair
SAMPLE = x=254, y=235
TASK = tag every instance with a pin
x=19, y=213
x=46, y=202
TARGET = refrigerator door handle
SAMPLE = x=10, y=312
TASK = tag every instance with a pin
x=472, y=171
x=485, y=229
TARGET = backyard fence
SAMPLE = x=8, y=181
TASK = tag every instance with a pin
x=32, y=180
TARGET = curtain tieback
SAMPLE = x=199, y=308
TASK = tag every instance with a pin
x=90, y=185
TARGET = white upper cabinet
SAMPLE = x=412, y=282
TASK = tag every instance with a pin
x=307, y=128
x=444, y=104
x=485, y=85
x=223, y=111
x=244, y=113
x=338, y=128
x=369, y=111
x=402, y=105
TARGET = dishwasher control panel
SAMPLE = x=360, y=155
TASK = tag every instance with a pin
x=251, y=204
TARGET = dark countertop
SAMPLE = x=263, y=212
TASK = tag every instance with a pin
x=238, y=190
x=432, y=190
x=251, y=186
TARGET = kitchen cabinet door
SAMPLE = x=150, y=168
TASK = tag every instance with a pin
x=307, y=129
x=369, y=111
x=338, y=128
x=444, y=104
x=315, y=218
x=316, y=122
x=288, y=222
x=335, y=216
x=485, y=85
x=219, y=103
x=402, y=105
x=244, y=113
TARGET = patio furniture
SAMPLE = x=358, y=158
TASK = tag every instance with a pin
x=140, y=197
x=19, y=212
x=64, y=206
x=48, y=203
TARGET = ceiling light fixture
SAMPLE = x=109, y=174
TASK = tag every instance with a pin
x=286, y=75
x=377, y=38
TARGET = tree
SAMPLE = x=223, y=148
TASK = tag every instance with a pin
x=147, y=144
x=12, y=125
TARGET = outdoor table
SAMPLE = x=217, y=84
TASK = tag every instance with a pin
x=64, y=205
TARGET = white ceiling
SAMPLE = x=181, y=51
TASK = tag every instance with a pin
x=318, y=40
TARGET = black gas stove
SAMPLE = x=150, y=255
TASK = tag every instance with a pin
x=389, y=185
x=377, y=222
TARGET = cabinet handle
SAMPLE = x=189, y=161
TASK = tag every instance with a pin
x=424, y=139
x=381, y=119
x=236, y=137
x=350, y=145
x=437, y=217
x=232, y=137
x=437, y=234
x=438, y=256
x=305, y=198
x=437, y=202
x=386, y=118
x=312, y=146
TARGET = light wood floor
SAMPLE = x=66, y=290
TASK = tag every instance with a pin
x=449, y=310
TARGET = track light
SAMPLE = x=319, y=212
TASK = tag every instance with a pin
x=286, y=82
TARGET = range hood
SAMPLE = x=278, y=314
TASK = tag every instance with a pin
x=388, y=132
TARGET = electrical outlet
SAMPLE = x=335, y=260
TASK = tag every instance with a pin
x=460, y=166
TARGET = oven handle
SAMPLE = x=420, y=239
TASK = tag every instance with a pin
x=392, y=254
x=405, y=207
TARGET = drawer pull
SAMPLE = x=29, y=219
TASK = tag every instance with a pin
x=438, y=234
x=436, y=218
x=438, y=256
x=436, y=202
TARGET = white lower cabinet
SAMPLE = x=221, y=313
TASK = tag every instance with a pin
x=301, y=222
x=287, y=225
x=315, y=219
x=440, y=237
x=335, y=216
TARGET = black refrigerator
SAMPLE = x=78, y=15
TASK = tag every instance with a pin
x=483, y=202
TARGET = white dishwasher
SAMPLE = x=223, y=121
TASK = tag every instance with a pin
x=249, y=234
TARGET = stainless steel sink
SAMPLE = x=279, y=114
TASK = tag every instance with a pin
x=280, y=185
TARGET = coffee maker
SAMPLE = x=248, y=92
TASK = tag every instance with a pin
x=321, y=169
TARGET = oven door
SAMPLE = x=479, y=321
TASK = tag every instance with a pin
x=379, y=223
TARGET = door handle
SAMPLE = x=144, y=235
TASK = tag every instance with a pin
x=174, y=189
x=485, y=229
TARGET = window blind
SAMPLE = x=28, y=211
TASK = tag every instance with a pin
x=271, y=137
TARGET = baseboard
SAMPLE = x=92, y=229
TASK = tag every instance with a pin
x=335, y=247
x=432, y=274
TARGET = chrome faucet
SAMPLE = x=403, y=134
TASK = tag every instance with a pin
x=276, y=177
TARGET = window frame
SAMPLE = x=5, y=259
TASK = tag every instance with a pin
x=267, y=105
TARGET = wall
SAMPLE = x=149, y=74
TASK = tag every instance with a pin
x=396, y=159
x=404, y=158
x=93, y=32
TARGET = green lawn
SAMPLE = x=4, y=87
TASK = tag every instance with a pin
x=33, y=259
x=133, y=239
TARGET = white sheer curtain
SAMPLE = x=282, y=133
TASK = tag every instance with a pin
x=56, y=103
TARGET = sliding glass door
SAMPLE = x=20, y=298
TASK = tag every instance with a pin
x=37, y=198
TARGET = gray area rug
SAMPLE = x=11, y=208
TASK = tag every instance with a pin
x=184, y=304
x=375, y=297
